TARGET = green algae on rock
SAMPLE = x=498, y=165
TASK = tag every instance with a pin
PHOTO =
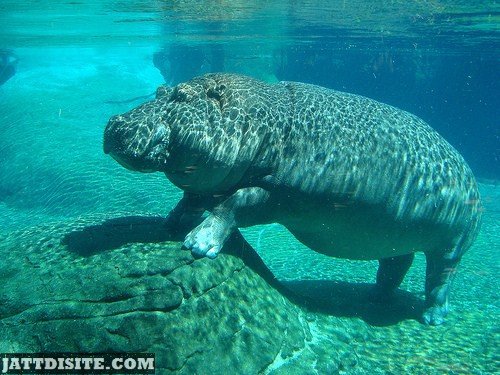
x=141, y=297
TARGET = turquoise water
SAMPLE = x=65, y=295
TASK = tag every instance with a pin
x=79, y=63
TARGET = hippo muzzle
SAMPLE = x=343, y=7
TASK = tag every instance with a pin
x=137, y=143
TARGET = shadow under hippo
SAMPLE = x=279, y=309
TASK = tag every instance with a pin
x=335, y=298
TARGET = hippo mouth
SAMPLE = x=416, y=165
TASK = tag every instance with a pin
x=129, y=166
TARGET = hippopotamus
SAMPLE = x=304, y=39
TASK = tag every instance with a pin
x=348, y=176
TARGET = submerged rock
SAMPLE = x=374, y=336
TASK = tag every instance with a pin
x=76, y=288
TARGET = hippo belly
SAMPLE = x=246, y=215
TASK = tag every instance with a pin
x=359, y=231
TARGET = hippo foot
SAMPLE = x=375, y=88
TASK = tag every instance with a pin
x=434, y=315
x=207, y=238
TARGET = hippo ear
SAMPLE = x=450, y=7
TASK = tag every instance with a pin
x=217, y=93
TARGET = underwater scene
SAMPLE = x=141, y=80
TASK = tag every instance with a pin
x=252, y=187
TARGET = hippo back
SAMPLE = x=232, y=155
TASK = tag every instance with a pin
x=354, y=148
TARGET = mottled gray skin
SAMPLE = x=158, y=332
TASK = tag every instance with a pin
x=346, y=175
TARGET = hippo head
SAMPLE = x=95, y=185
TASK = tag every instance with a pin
x=197, y=133
x=138, y=139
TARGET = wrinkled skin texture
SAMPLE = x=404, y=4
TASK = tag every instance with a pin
x=346, y=175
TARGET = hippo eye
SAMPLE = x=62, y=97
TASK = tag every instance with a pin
x=184, y=92
x=216, y=94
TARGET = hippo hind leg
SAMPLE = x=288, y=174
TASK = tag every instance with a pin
x=440, y=272
x=390, y=274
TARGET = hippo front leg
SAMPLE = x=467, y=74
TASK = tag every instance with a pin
x=245, y=207
x=186, y=214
